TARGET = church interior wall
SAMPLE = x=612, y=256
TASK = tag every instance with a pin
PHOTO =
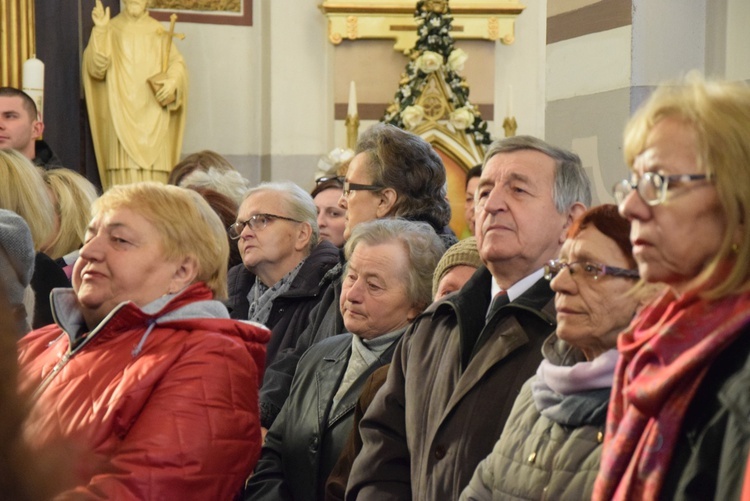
x=272, y=97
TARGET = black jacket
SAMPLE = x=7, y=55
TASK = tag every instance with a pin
x=305, y=441
x=714, y=442
x=289, y=315
x=45, y=157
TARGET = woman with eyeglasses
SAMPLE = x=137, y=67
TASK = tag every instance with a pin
x=284, y=263
x=551, y=443
x=331, y=217
x=678, y=421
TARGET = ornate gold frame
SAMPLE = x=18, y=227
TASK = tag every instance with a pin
x=187, y=14
x=394, y=19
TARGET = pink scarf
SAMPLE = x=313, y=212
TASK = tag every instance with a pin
x=665, y=353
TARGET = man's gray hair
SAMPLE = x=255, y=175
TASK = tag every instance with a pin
x=571, y=182
x=297, y=202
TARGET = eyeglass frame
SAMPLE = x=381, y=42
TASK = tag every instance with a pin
x=253, y=222
x=661, y=190
x=360, y=187
x=325, y=179
x=554, y=267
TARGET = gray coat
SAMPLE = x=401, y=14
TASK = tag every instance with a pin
x=538, y=458
x=449, y=391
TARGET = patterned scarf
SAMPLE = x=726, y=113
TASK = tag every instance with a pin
x=261, y=297
x=665, y=354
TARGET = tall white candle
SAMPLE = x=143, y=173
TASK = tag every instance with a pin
x=33, y=81
x=510, y=101
x=352, y=111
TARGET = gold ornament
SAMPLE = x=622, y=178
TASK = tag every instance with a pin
x=436, y=6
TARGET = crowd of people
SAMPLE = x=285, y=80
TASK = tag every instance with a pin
x=210, y=339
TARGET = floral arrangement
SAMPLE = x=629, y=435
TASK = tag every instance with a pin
x=434, y=51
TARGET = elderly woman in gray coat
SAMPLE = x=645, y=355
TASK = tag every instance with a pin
x=386, y=284
x=551, y=446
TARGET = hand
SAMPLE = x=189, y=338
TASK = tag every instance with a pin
x=167, y=89
x=99, y=15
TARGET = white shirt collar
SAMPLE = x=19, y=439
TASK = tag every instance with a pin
x=518, y=288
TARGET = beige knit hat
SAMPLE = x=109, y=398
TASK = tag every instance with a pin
x=463, y=253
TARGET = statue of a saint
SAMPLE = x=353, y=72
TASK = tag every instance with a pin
x=135, y=137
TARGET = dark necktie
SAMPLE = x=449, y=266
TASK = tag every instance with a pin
x=500, y=300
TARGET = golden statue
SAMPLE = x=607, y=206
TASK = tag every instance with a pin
x=136, y=88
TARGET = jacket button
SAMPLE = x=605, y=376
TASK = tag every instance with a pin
x=314, y=444
x=439, y=452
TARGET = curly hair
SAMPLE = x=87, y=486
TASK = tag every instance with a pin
x=407, y=163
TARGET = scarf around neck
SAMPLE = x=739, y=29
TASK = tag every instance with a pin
x=261, y=297
x=664, y=356
x=575, y=395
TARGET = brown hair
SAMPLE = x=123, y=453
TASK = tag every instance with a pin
x=201, y=160
x=330, y=183
x=28, y=103
x=609, y=222
x=226, y=209
x=407, y=163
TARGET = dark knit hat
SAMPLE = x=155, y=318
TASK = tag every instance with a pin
x=16, y=255
x=463, y=253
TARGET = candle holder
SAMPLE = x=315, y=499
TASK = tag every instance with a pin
x=352, y=131
x=510, y=125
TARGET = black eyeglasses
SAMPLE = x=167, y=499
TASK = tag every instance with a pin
x=586, y=269
x=360, y=187
x=256, y=222
x=338, y=179
x=652, y=187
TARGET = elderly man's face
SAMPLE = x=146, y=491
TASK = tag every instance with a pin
x=518, y=226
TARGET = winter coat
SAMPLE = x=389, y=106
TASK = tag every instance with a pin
x=339, y=477
x=538, y=457
x=166, y=396
x=290, y=311
x=449, y=391
x=714, y=441
x=306, y=439
x=325, y=321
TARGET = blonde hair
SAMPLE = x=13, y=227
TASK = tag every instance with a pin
x=24, y=192
x=187, y=224
x=719, y=113
x=74, y=195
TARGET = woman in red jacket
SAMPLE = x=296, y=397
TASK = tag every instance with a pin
x=143, y=367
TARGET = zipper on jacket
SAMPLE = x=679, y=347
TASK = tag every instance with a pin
x=71, y=353
x=48, y=379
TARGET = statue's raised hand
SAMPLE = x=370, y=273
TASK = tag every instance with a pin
x=100, y=15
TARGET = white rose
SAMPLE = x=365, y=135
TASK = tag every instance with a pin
x=456, y=59
x=462, y=118
x=429, y=61
x=412, y=116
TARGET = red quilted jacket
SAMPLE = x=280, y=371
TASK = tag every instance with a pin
x=167, y=402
